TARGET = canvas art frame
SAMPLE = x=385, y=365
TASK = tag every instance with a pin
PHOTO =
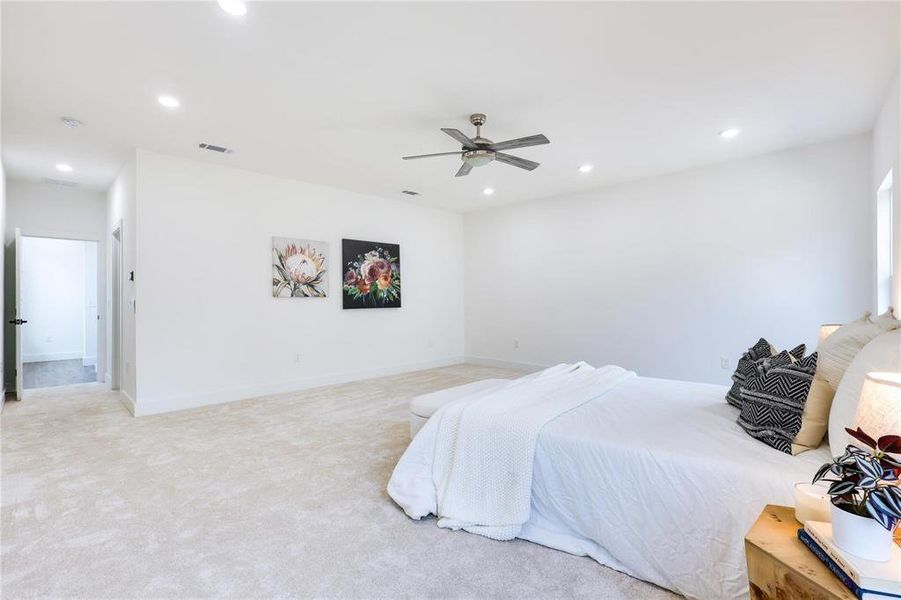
x=371, y=274
x=299, y=268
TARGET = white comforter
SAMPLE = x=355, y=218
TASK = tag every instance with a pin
x=479, y=451
x=652, y=477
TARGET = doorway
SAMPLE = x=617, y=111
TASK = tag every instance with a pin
x=58, y=281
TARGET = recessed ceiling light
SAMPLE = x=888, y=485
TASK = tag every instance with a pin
x=233, y=7
x=730, y=133
x=488, y=191
x=169, y=101
x=64, y=168
x=70, y=122
x=585, y=168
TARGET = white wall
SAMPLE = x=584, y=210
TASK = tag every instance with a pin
x=6, y=311
x=41, y=209
x=121, y=213
x=52, y=277
x=208, y=329
x=887, y=157
x=667, y=275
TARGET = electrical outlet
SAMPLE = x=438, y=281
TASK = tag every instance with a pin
x=516, y=344
x=724, y=363
x=297, y=357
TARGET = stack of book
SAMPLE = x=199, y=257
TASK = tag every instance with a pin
x=867, y=579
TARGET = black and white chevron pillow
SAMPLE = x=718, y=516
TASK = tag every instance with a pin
x=773, y=401
x=749, y=365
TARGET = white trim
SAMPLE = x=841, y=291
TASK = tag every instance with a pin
x=2, y=399
x=116, y=307
x=503, y=364
x=127, y=401
x=51, y=356
x=60, y=235
x=175, y=403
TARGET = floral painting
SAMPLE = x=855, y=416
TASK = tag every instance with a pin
x=299, y=268
x=371, y=274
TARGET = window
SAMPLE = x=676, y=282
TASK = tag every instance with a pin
x=884, y=244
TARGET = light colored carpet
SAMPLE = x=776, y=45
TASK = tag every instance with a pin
x=275, y=497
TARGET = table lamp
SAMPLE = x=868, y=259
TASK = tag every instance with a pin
x=879, y=409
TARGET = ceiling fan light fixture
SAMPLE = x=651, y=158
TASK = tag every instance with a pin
x=479, y=151
x=478, y=158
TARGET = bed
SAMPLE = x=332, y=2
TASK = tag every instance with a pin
x=651, y=477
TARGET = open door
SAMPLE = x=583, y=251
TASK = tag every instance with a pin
x=18, y=321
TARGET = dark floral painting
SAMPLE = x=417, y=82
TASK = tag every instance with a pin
x=371, y=272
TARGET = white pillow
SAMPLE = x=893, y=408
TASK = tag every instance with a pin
x=835, y=353
x=882, y=354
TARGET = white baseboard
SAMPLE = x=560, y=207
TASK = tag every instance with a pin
x=128, y=401
x=170, y=404
x=29, y=358
x=503, y=364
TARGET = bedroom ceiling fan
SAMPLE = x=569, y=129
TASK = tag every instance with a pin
x=479, y=151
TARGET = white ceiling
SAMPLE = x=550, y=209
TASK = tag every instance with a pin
x=336, y=93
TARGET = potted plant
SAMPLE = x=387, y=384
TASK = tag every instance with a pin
x=866, y=495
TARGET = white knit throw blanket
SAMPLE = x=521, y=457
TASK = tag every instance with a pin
x=485, y=446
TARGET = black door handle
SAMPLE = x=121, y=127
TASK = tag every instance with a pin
x=18, y=322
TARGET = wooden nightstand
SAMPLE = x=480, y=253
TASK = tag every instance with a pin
x=780, y=567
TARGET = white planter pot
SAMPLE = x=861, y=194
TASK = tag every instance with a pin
x=861, y=536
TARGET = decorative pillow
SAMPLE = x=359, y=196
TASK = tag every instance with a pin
x=815, y=420
x=749, y=366
x=838, y=350
x=773, y=402
x=882, y=354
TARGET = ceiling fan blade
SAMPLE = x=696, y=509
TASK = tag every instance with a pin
x=532, y=140
x=430, y=155
x=516, y=161
x=460, y=137
x=465, y=168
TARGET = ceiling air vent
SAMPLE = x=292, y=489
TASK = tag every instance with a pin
x=214, y=148
x=410, y=193
x=52, y=181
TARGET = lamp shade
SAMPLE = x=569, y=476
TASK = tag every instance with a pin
x=826, y=331
x=879, y=409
